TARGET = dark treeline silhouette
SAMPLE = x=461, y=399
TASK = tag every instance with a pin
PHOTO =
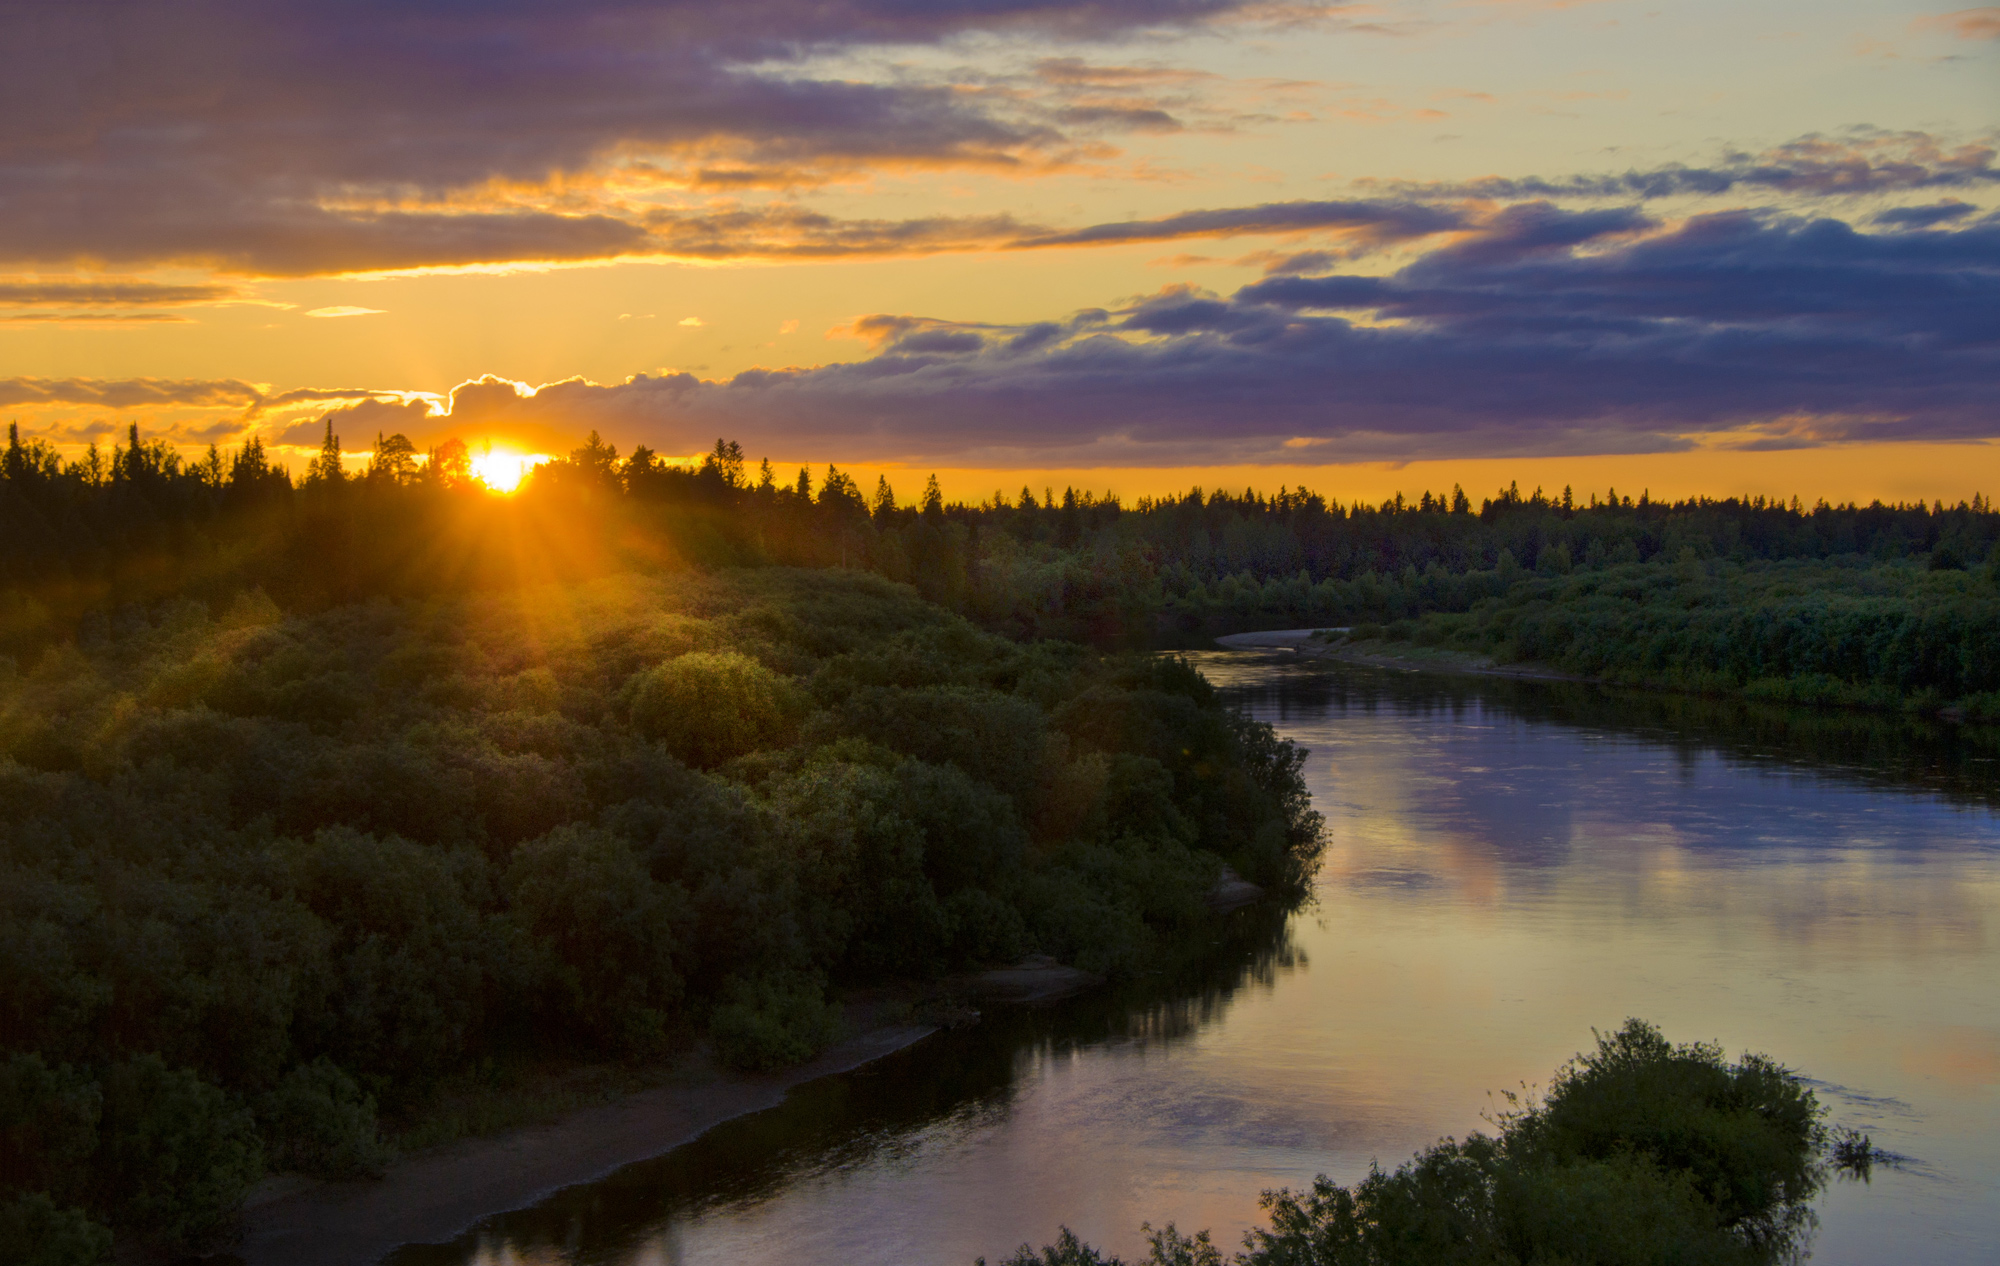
x=1876, y=604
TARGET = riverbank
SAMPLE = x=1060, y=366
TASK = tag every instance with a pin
x=1382, y=654
x=1412, y=657
x=437, y=1195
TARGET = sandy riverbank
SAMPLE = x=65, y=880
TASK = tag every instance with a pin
x=437, y=1195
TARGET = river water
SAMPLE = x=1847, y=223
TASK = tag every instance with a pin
x=1509, y=865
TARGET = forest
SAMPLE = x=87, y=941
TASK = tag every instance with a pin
x=270, y=873
x=320, y=790
x=1875, y=605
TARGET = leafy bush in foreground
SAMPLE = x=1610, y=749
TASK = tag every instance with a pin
x=1643, y=1154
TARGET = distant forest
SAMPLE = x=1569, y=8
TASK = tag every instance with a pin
x=1883, y=605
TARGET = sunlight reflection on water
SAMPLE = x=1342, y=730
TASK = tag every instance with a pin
x=1506, y=869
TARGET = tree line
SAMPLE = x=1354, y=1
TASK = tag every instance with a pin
x=140, y=525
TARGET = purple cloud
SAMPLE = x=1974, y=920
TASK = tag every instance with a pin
x=1551, y=333
x=289, y=137
x=1867, y=162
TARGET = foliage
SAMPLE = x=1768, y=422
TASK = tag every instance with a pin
x=317, y=1120
x=1886, y=635
x=262, y=873
x=176, y=1156
x=1580, y=577
x=772, y=1021
x=1644, y=1153
x=35, y=1231
x=707, y=708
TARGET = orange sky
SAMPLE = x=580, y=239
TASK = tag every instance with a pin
x=1860, y=473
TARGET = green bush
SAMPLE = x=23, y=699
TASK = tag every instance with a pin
x=711, y=707
x=1745, y=1134
x=586, y=895
x=177, y=1155
x=319, y=1121
x=1643, y=1154
x=35, y=1231
x=772, y=1021
x=48, y=1127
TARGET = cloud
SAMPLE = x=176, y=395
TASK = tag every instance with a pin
x=343, y=310
x=1542, y=332
x=1925, y=217
x=356, y=424
x=90, y=318
x=130, y=393
x=1528, y=329
x=170, y=402
x=1967, y=24
x=1367, y=221
x=288, y=137
x=1813, y=166
x=102, y=294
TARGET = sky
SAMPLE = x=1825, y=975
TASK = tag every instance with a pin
x=1700, y=248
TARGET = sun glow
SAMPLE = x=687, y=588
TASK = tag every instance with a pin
x=502, y=469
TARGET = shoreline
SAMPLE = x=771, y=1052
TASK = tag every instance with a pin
x=1300, y=642
x=438, y=1195
x=1462, y=663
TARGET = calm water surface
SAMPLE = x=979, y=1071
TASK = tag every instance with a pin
x=1508, y=866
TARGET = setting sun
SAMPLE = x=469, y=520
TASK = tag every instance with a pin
x=502, y=469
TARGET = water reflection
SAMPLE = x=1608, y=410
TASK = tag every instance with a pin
x=1509, y=865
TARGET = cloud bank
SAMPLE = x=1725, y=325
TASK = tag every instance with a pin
x=290, y=137
x=1543, y=331
x=1535, y=331
x=284, y=138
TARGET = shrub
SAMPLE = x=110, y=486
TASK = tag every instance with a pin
x=711, y=707
x=35, y=1231
x=1644, y=1154
x=319, y=1121
x=772, y=1021
x=586, y=894
x=48, y=1127
x=178, y=1155
x=1744, y=1134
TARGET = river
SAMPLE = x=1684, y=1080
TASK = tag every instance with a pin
x=1508, y=865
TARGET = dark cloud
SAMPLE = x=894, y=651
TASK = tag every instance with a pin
x=287, y=136
x=1926, y=217
x=1374, y=221
x=103, y=294
x=130, y=393
x=1547, y=332
x=89, y=318
x=246, y=402
x=1811, y=166
x=1531, y=330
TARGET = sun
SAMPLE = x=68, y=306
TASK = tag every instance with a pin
x=503, y=468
